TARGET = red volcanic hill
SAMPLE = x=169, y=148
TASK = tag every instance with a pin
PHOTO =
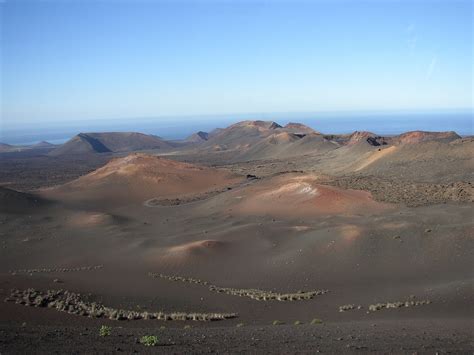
x=295, y=195
x=423, y=136
x=242, y=134
x=109, y=142
x=138, y=177
x=298, y=128
x=254, y=140
x=259, y=139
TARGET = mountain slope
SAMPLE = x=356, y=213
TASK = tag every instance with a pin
x=298, y=128
x=285, y=145
x=109, y=142
x=198, y=137
x=12, y=201
x=414, y=137
x=138, y=177
x=241, y=135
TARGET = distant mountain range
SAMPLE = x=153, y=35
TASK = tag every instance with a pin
x=249, y=140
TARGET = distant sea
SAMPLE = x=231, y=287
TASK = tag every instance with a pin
x=174, y=128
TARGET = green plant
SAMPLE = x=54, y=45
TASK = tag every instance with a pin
x=297, y=322
x=105, y=331
x=316, y=321
x=149, y=340
x=277, y=322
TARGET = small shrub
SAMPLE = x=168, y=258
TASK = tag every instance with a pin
x=316, y=321
x=105, y=331
x=149, y=340
x=297, y=322
x=277, y=322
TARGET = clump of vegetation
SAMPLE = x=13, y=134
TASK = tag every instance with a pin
x=399, y=304
x=105, y=331
x=256, y=294
x=297, y=322
x=240, y=325
x=149, y=340
x=57, y=269
x=177, y=278
x=348, y=307
x=74, y=303
x=187, y=326
x=261, y=295
x=316, y=321
x=278, y=322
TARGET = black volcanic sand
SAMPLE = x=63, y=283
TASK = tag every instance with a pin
x=399, y=253
x=403, y=336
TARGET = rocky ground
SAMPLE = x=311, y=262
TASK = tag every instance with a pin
x=411, y=194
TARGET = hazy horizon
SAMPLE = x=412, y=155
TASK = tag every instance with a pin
x=179, y=127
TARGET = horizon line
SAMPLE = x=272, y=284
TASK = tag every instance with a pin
x=266, y=113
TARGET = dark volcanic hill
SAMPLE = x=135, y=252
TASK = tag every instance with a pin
x=198, y=137
x=253, y=140
x=366, y=137
x=110, y=142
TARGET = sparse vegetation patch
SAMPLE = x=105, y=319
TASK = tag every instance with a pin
x=256, y=294
x=70, y=302
x=178, y=278
x=349, y=307
x=56, y=269
x=261, y=295
x=379, y=306
x=105, y=331
x=149, y=340
x=398, y=304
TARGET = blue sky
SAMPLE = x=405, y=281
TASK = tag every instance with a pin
x=92, y=60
